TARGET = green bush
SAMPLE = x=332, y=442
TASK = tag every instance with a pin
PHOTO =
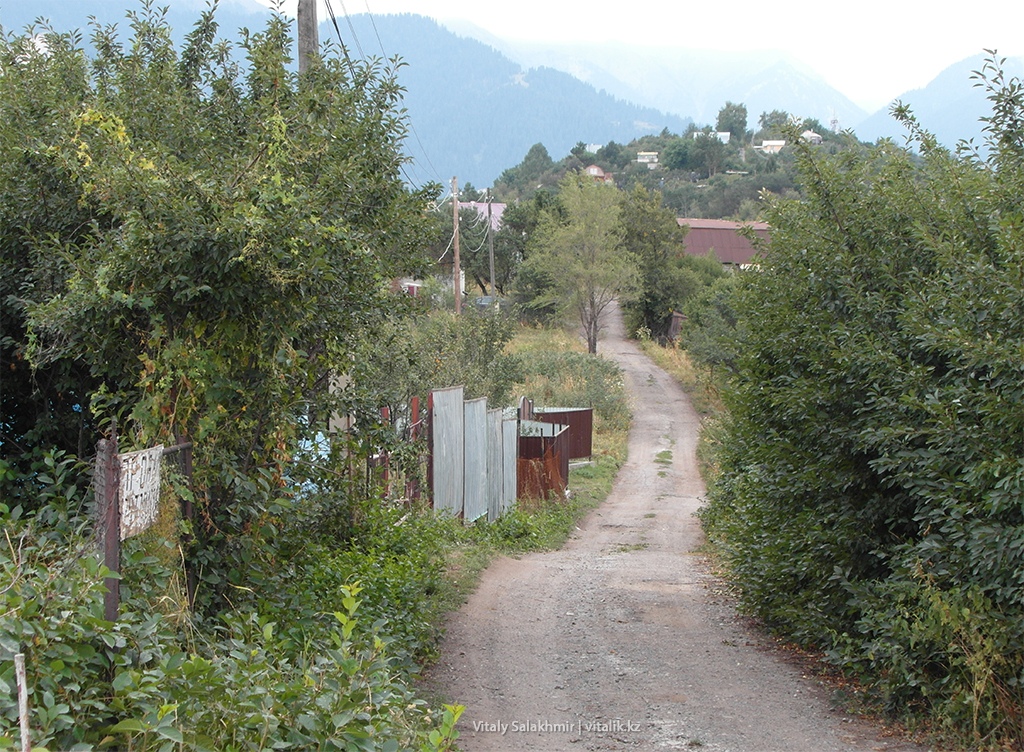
x=575, y=379
x=869, y=499
x=327, y=679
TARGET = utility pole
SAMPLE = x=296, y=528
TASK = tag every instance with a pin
x=309, y=38
x=457, y=272
x=490, y=249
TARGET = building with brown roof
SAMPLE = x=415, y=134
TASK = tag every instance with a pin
x=599, y=175
x=722, y=237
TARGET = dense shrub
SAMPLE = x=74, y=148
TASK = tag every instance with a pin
x=327, y=676
x=870, y=500
x=575, y=379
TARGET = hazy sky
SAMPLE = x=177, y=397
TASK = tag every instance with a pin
x=872, y=50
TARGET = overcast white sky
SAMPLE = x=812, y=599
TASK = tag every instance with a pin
x=872, y=50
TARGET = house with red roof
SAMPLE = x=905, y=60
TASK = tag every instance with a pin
x=722, y=237
x=599, y=175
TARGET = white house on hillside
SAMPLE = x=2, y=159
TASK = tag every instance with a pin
x=772, y=147
x=649, y=158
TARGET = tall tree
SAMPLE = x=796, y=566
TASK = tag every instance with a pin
x=580, y=254
x=215, y=233
x=707, y=152
x=732, y=118
x=772, y=123
x=652, y=234
x=523, y=179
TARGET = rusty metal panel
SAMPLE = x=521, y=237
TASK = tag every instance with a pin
x=447, y=449
x=476, y=456
x=510, y=463
x=581, y=427
x=543, y=459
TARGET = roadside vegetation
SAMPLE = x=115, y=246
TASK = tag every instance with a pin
x=867, y=496
x=340, y=604
x=197, y=247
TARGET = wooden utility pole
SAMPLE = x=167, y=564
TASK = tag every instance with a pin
x=309, y=38
x=490, y=249
x=457, y=272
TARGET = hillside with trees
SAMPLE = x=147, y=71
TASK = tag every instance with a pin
x=699, y=172
x=475, y=111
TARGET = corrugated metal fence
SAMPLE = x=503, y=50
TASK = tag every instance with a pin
x=473, y=455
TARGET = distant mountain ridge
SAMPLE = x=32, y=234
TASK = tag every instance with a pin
x=476, y=113
x=476, y=104
x=694, y=83
x=950, y=106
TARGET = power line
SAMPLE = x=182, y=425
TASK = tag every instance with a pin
x=376, y=33
x=383, y=52
x=351, y=28
x=344, y=49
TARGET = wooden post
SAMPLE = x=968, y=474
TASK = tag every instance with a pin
x=457, y=273
x=412, y=490
x=490, y=249
x=385, y=416
x=308, y=35
x=108, y=485
x=188, y=514
x=430, y=447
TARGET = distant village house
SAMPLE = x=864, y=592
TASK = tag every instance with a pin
x=649, y=158
x=722, y=237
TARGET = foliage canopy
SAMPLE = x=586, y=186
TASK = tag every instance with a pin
x=870, y=500
x=191, y=242
x=578, y=252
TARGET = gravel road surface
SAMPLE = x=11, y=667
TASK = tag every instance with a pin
x=623, y=640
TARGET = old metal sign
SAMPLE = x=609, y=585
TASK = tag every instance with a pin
x=140, y=489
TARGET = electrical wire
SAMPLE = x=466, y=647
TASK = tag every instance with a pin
x=450, y=243
x=412, y=128
x=351, y=28
x=344, y=49
x=376, y=33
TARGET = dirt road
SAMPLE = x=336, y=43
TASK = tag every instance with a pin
x=621, y=640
